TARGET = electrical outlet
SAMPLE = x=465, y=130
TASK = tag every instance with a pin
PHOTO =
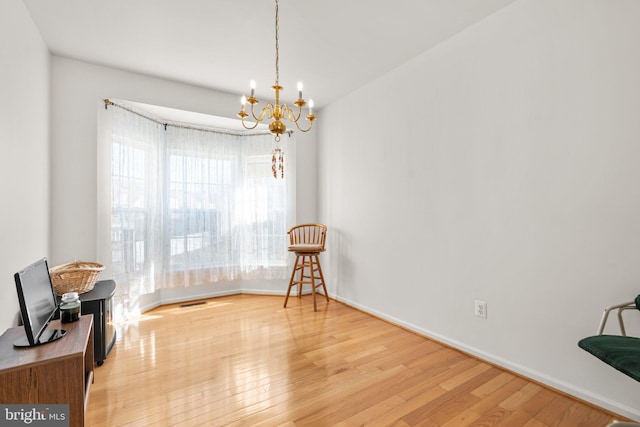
x=481, y=309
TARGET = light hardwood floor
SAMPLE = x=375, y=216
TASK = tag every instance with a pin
x=245, y=361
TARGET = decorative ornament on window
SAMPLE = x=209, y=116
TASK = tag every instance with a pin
x=277, y=163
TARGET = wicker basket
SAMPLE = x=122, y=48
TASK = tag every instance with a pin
x=77, y=276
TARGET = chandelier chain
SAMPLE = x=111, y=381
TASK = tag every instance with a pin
x=277, y=46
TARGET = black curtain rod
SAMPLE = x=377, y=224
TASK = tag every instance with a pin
x=108, y=102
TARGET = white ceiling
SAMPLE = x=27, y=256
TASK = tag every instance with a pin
x=333, y=46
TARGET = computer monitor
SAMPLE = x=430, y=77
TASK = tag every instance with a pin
x=38, y=304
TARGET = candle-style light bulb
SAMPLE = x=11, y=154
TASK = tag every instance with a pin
x=243, y=100
x=310, y=106
x=300, y=87
x=252, y=85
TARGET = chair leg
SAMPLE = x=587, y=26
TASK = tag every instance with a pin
x=291, y=281
x=312, y=277
x=324, y=287
x=314, y=274
x=301, y=277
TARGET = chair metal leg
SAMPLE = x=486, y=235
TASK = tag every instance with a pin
x=620, y=307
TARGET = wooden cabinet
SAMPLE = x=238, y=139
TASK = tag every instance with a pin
x=60, y=372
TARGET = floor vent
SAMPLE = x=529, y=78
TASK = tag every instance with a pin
x=191, y=304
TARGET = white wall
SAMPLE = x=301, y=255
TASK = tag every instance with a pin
x=24, y=150
x=77, y=90
x=502, y=166
x=307, y=176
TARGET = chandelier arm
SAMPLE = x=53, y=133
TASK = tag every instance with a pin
x=253, y=114
x=263, y=112
x=307, y=129
x=249, y=127
x=294, y=117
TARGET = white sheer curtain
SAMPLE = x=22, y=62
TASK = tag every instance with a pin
x=192, y=206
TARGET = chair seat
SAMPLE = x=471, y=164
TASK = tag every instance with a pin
x=622, y=353
x=306, y=247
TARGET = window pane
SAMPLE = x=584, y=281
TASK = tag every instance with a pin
x=191, y=207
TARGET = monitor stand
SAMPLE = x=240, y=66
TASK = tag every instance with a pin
x=47, y=336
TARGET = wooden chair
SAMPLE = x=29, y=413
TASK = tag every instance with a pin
x=307, y=241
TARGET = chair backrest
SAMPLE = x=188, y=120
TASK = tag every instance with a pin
x=308, y=234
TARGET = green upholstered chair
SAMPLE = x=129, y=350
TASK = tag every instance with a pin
x=619, y=351
x=622, y=353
